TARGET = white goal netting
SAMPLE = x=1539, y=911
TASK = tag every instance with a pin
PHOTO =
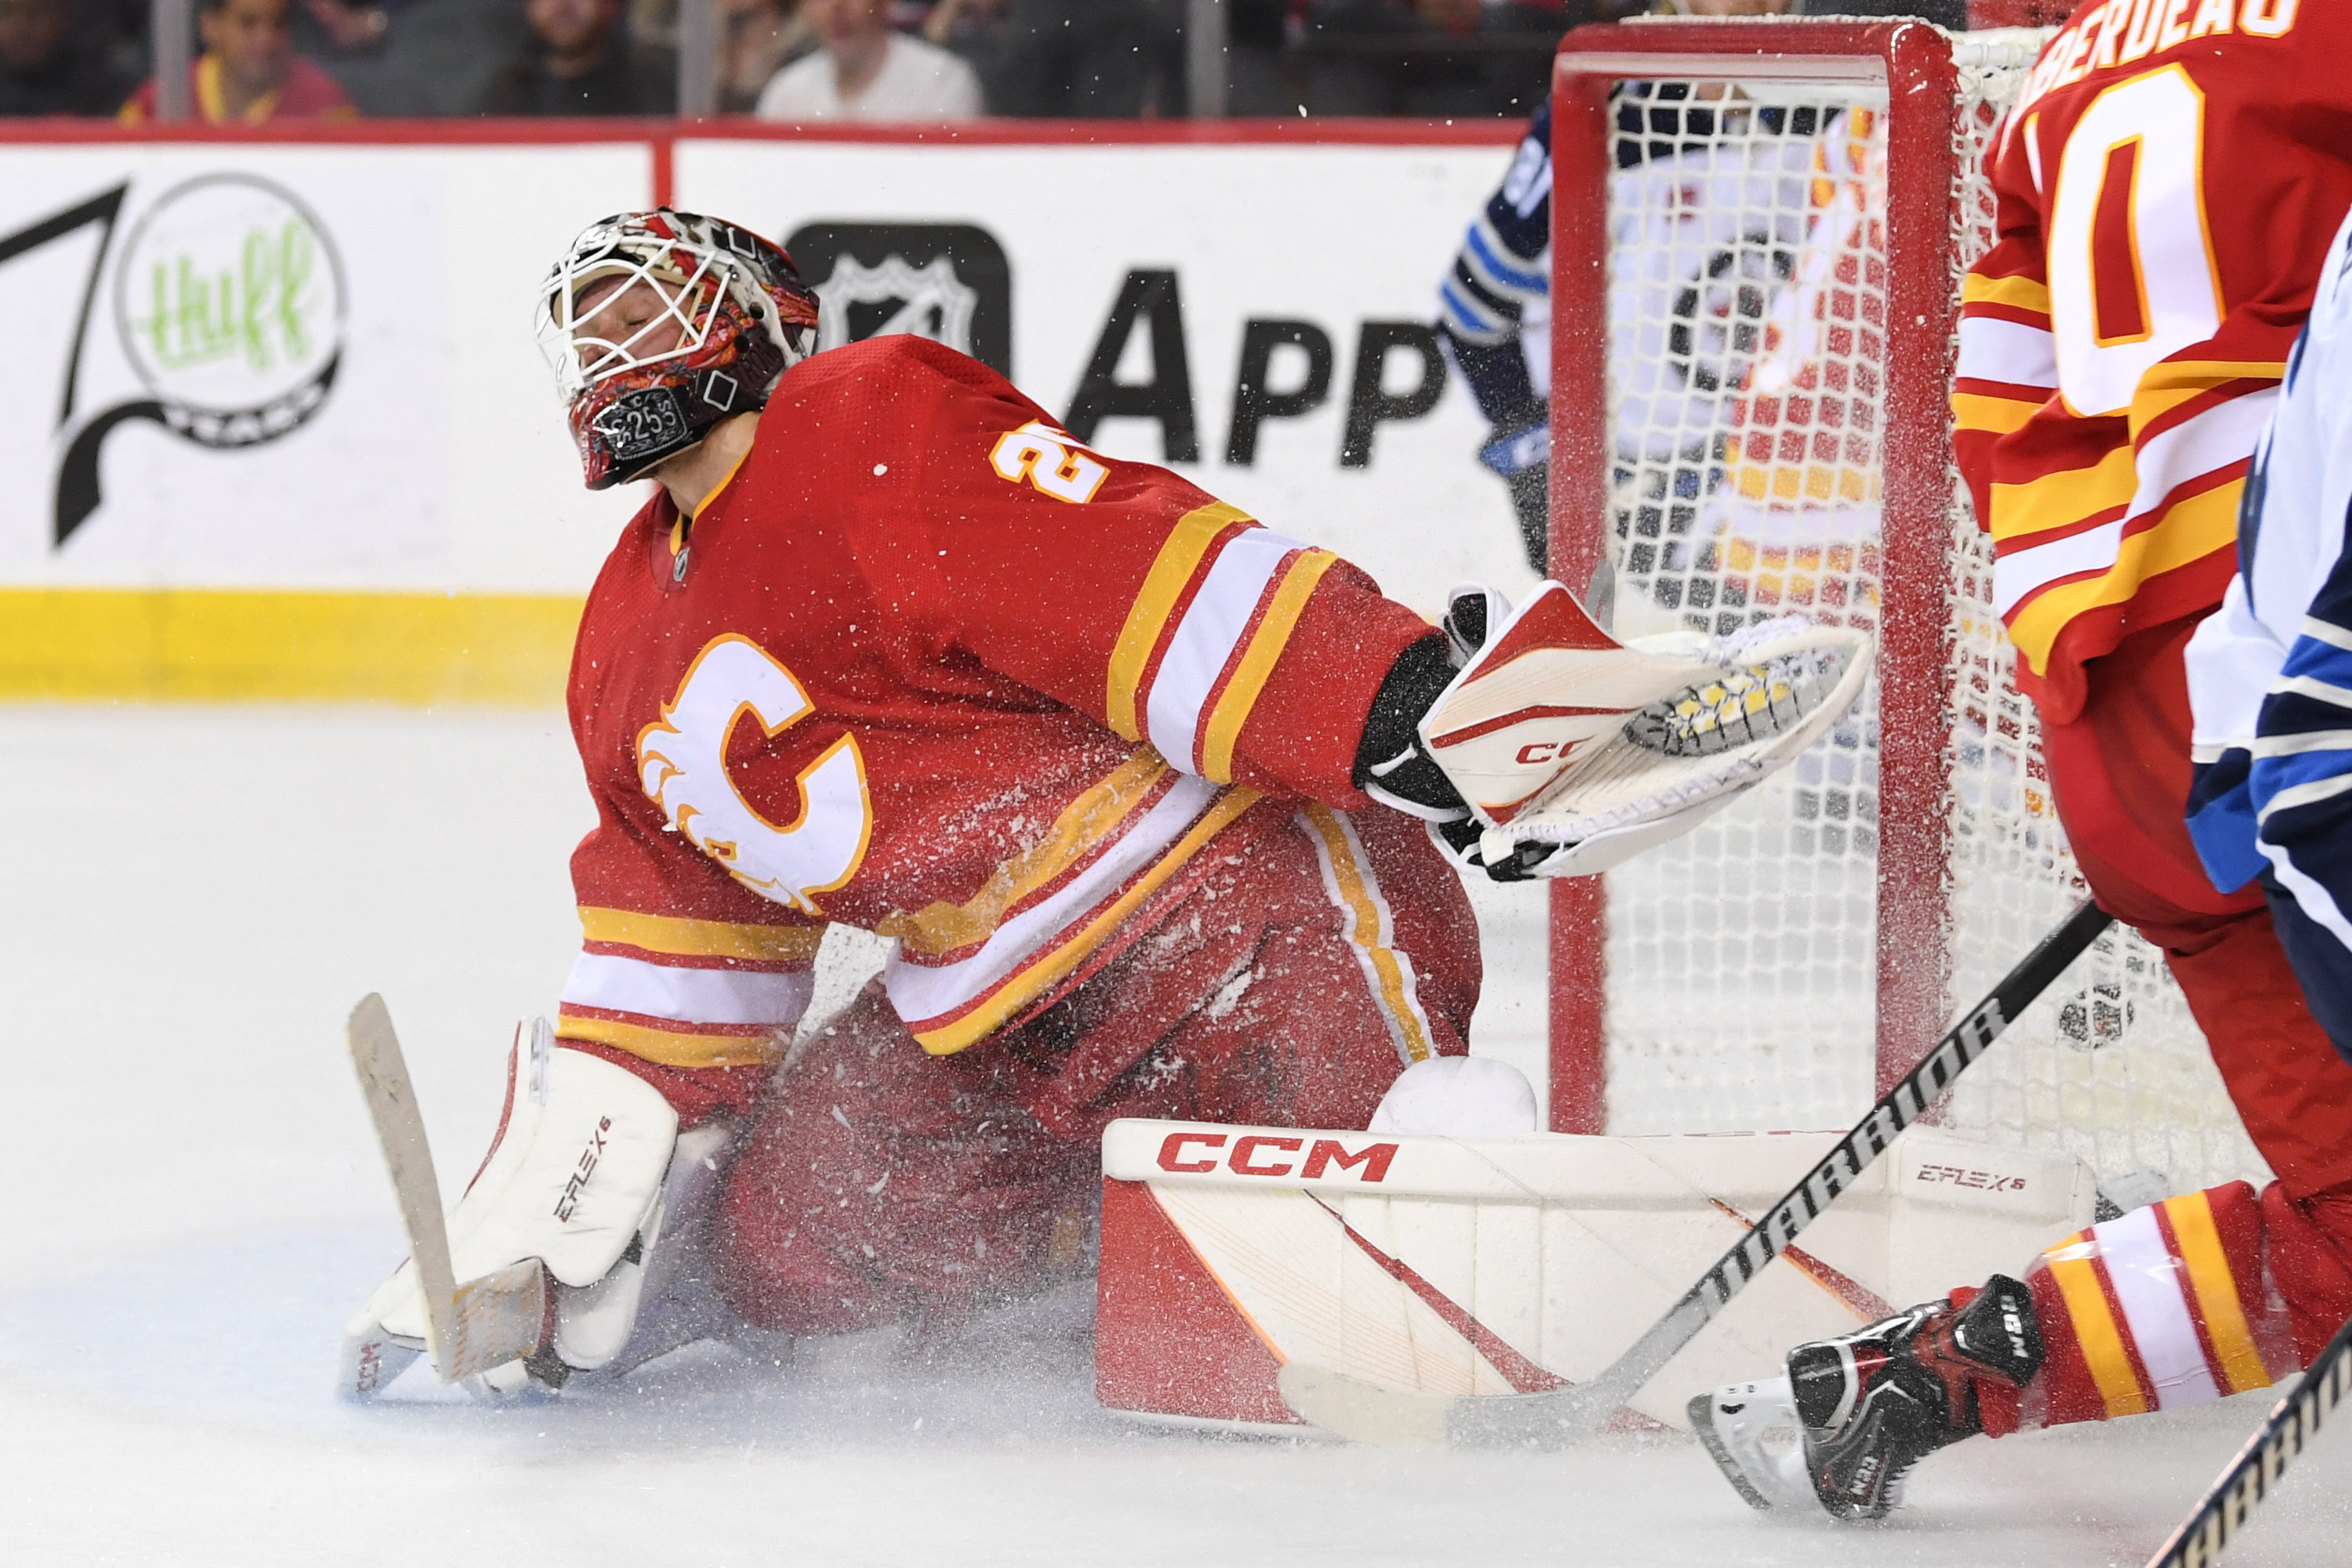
x=1748, y=342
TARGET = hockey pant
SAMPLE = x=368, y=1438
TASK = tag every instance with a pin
x=2221, y=1291
x=1289, y=986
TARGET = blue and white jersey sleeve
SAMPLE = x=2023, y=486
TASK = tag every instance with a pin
x=1505, y=264
x=2270, y=674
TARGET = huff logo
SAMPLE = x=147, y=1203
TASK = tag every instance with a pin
x=578, y=1182
x=229, y=304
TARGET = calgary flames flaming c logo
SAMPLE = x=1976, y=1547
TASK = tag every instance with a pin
x=682, y=767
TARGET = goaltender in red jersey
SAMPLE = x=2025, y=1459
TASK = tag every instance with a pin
x=1154, y=804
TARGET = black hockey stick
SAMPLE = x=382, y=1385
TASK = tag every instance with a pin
x=1369, y=1413
x=2230, y=1501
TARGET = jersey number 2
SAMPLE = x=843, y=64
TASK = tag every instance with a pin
x=682, y=767
x=1050, y=459
x=2132, y=276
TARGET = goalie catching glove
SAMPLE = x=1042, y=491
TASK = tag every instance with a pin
x=589, y=1206
x=1556, y=750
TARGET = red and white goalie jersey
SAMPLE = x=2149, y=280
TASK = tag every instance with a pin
x=2167, y=187
x=927, y=665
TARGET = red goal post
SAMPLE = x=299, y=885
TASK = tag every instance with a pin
x=1914, y=61
x=1760, y=229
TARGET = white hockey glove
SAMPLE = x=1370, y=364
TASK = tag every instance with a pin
x=1574, y=751
x=587, y=1189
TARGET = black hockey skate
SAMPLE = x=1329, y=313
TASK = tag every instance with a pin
x=1870, y=1405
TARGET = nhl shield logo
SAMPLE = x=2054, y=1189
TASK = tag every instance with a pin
x=946, y=282
x=929, y=301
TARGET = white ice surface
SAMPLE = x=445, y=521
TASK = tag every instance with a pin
x=192, y=900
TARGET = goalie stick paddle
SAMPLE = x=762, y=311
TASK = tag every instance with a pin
x=400, y=1128
x=1389, y=1418
x=468, y=1328
x=2246, y=1484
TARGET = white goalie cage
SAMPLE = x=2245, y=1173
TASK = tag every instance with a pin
x=1756, y=274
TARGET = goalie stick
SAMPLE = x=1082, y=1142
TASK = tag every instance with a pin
x=468, y=1328
x=2246, y=1484
x=1400, y=1419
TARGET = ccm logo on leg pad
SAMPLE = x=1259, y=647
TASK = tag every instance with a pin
x=1258, y=1154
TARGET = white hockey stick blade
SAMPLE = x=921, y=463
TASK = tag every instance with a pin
x=499, y=1318
x=1622, y=783
x=1363, y=1412
x=400, y=1128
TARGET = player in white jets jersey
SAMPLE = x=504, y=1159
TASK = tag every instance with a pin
x=2270, y=676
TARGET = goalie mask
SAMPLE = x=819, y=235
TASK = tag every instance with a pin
x=660, y=324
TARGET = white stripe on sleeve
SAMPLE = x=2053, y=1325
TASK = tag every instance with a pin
x=1214, y=622
x=688, y=996
x=2148, y=1284
x=1992, y=350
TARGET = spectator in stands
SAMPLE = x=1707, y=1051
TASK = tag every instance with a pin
x=762, y=37
x=1257, y=69
x=436, y=56
x=250, y=73
x=350, y=25
x=1070, y=59
x=580, y=62
x=46, y=68
x=864, y=70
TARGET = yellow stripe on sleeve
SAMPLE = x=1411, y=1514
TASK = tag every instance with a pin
x=1265, y=646
x=1047, y=969
x=2192, y=530
x=2094, y=1326
x=2217, y=1292
x=1976, y=411
x=2017, y=293
x=701, y=938
x=1180, y=556
x=2062, y=499
x=1096, y=815
x=672, y=1048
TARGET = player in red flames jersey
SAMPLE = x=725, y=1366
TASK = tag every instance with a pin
x=1096, y=752
x=2168, y=185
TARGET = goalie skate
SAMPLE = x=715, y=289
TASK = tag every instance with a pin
x=1874, y=1403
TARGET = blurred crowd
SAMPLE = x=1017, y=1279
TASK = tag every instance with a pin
x=257, y=61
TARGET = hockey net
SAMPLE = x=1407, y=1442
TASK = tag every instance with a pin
x=1757, y=279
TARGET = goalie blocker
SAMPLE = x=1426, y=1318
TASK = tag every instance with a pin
x=588, y=1196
